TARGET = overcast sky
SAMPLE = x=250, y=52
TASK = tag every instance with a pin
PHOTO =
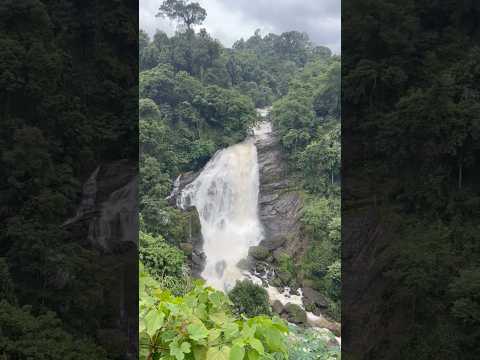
x=230, y=20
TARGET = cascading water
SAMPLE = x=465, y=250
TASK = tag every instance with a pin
x=226, y=197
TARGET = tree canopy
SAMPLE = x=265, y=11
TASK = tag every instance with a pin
x=189, y=13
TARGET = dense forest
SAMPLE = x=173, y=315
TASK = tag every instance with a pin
x=196, y=97
x=410, y=81
x=68, y=103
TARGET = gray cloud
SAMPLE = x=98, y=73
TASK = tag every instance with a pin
x=230, y=20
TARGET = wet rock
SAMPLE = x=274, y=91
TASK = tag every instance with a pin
x=284, y=276
x=198, y=263
x=295, y=289
x=321, y=321
x=313, y=299
x=277, y=307
x=180, y=183
x=277, y=282
x=295, y=314
x=187, y=248
x=274, y=242
x=258, y=252
x=280, y=206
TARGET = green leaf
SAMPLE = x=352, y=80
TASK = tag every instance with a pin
x=215, y=353
x=197, y=331
x=230, y=330
x=185, y=347
x=217, y=299
x=213, y=335
x=257, y=345
x=199, y=352
x=179, y=351
x=252, y=355
x=237, y=353
x=153, y=321
x=218, y=318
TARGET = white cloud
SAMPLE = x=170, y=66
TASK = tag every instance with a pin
x=230, y=20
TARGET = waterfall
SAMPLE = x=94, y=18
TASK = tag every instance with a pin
x=226, y=197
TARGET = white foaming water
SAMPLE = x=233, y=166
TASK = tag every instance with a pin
x=226, y=197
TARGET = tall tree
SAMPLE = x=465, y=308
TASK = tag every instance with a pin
x=190, y=13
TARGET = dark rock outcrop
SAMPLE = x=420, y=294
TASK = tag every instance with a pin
x=313, y=300
x=295, y=314
x=280, y=207
x=258, y=252
x=277, y=307
x=194, y=247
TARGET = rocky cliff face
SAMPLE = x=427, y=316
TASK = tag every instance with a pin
x=193, y=247
x=107, y=217
x=280, y=207
x=106, y=222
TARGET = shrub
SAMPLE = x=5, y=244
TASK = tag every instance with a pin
x=201, y=325
x=161, y=259
x=250, y=299
x=25, y=335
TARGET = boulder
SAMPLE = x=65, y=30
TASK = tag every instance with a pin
x=295, y=314
x=277, y=282
x=284, y=276
x=321, y=322
x=258, y=252
x=277, y=307
x=275, y=242
x=187, y=248
x=313, y=299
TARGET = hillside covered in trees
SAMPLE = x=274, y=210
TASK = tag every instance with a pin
x=68, y=103
x=410, y=81
x=196, y=97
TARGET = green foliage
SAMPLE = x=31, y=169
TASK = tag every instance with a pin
x=309, y=344
x=159, y=257
x=249, y=299
x=310, y=133
x=423, y=110
x=308, y=122
x=67, y=96
x=201, y=326
x=27, y=336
